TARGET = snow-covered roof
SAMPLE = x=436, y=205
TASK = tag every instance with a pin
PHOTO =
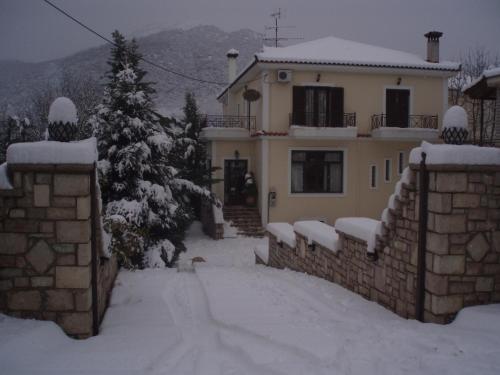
x=52, y=152
x=488, y=73
x=336, y=51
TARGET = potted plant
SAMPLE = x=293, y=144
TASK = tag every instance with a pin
x=250, y=190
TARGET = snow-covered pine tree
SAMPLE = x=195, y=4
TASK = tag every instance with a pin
x=14, y=130
x=142, y=195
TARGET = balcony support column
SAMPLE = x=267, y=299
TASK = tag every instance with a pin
x=265, y=101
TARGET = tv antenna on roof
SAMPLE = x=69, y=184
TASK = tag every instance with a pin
x=277, y=15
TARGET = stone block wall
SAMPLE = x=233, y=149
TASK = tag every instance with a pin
x=462, y=253
x=210, y=227
x=463, y=240
x=46, y=249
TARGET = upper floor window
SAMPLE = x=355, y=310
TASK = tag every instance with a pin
x=317, y=171
x=318, y=106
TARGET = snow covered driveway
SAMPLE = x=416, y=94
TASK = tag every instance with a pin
x=233, y=317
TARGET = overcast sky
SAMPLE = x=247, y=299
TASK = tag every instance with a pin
x=32, y=31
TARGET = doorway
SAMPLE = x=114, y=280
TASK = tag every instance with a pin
x=397, y=108
x=234, y=181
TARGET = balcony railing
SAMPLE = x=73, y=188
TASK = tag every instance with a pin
x=322, y=120
x=413, y=122
x=225, y=121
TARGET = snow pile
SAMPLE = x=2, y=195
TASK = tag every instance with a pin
x=4, y=178
x=455, y=117
x=238, y=318
x=262, y=252
x=233, y=51
x=361, y=227
x=52, y=152
x=332, y=50
x=283, y=233
x=316, y=231
x=63, y=110
x=455, y=154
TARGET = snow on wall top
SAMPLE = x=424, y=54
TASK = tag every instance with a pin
x=283, y=232
x=318, y=232
x=332, y=50
x=63, y=110
x=361, y=227
x=455, y=154
x=455, y=117
x=52, y=152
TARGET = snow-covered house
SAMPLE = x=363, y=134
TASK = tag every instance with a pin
x=326, y=126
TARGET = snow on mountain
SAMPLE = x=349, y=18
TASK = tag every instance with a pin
x=199, y=51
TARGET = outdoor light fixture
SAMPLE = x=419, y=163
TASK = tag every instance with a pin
x=399, y=81
x=236, y=154
x=318, y=77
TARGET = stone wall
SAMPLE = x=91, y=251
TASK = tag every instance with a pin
x=46, y=247
x=210, y=227
x=462, y=254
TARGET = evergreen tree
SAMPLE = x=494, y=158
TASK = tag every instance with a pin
x=144, y=197
x=14, y=130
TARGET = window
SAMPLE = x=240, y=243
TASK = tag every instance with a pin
x=317, y=171
x=373, y=176
x=387, y=170
x=401, y=162
x=318, y=106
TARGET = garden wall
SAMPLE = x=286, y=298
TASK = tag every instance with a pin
x=462, y=257
x=46, y=239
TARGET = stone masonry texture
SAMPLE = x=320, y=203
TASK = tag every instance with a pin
x=462, y=253
x=45, y=249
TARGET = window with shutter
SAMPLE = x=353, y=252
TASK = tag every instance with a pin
x=318, y=106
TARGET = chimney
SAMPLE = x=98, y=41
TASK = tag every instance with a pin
x=232, y=55
x=433, y=46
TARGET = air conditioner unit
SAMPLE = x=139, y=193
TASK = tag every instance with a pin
x=284, y=75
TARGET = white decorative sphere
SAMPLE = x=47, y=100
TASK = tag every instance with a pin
x=455, y=117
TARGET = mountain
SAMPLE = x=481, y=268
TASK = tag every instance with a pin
x=199, y=51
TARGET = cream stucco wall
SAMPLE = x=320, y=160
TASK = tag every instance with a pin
x=364, y=94
x=358, y=199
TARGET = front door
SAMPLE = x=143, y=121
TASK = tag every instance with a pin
x=397, y=108
x=234, y=181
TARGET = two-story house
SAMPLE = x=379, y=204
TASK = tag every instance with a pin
x=326, y=126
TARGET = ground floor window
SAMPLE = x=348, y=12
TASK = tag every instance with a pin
x=317, y=171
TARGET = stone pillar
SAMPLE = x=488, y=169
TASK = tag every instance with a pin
x=45, y=251
x=463, y=248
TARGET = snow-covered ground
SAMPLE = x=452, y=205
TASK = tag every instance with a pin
x=233, y=317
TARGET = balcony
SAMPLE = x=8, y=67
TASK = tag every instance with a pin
x=227, y=127
x=320, y=125
x=322, y=120
x=415, y=127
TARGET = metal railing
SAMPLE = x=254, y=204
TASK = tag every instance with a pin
x=226, y=121
x=413, y=122
x=322, y=119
